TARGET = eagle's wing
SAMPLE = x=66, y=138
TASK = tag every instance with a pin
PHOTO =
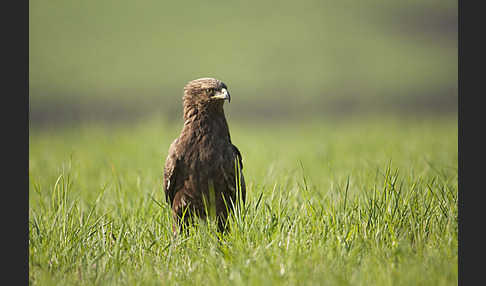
x=241, y=178
x=170, y=172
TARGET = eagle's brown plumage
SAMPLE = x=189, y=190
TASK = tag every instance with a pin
x=203, y=158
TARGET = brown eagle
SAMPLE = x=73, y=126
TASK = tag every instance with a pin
x=203, y=170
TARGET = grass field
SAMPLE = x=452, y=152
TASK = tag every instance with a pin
x=346, y=200
x=368, y=202
x=135, y=56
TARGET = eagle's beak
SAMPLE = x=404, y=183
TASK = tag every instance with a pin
x=223, y=94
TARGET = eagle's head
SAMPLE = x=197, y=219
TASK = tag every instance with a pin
x=206, y=91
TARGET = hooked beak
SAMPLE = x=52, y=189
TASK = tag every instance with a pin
x=223, y=94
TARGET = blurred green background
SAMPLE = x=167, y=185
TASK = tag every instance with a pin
x=121, y=61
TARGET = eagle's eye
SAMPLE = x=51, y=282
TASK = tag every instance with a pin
x=209, y=90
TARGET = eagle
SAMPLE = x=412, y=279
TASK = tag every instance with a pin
x=203, y=172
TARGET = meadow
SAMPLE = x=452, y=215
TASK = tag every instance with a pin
x=109, y=59
x=329, y=202
x=366, y=195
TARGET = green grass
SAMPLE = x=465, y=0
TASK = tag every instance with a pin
x=370, y=202
x=112, y=49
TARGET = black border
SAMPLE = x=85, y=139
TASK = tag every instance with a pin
x=470, y=121
x=15, y=139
